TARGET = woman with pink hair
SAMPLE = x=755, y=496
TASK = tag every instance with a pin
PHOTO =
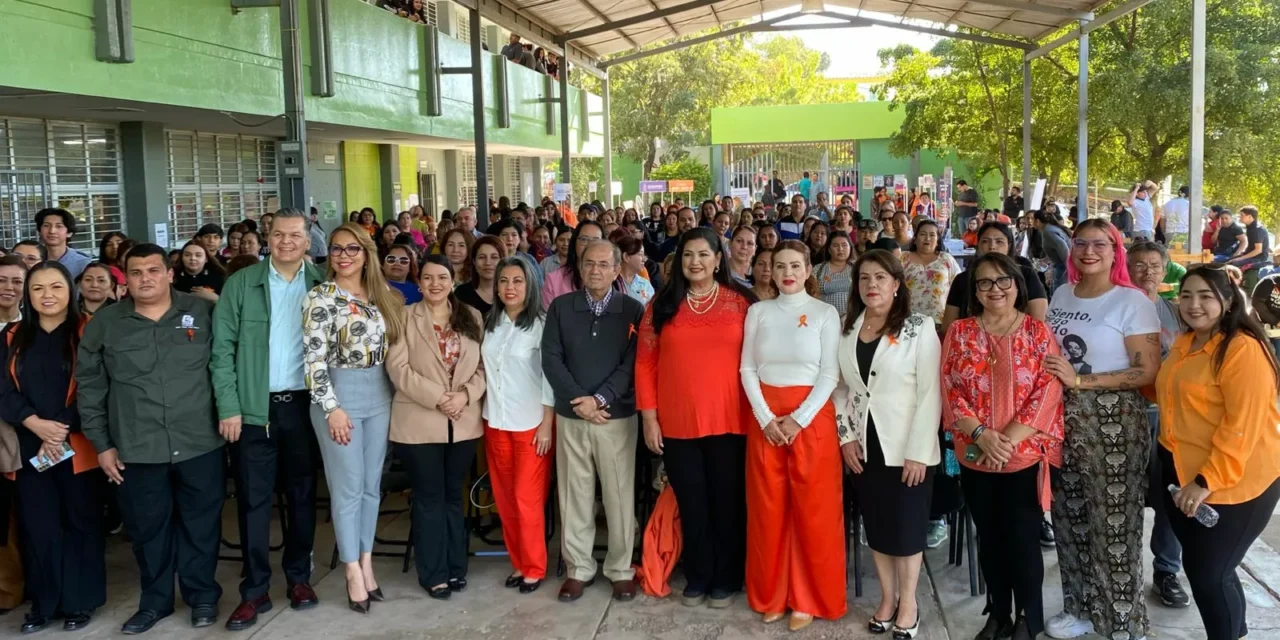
x=1109, y=333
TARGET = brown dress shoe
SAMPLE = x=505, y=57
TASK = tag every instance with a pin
x=572, y=589
x=624, y=590
x=246, y=615
x=302, y=596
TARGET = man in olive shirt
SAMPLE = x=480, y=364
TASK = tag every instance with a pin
x=146, y=404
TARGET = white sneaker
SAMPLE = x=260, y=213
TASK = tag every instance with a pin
x=1064, y=626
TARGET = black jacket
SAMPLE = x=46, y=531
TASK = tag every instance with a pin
x=585, y=355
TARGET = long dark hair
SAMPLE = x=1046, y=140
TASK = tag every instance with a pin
x=460, y=318
x=901, y=307
x=211, y=262
x=26, y=329
x=1235, y=319
x=571, y=260
x=102, y=247
x=667, y=303
x=1005, y=265
x=532, y=297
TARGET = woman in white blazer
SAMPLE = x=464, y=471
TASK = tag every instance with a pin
x=888, y=426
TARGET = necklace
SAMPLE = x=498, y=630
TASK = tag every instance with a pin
x=700, y=303
x=993, y=341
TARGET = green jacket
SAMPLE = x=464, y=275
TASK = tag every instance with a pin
x=143, y=386
x=241, y=329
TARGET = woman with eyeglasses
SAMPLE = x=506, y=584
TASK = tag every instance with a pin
x=567, y=279
x=1003, y=408
x=1109, y=333
x=994, y=237
x=1218, y=442
x=478, y=291
x=401, y=270
x=348, y=322
x=929, y=271
x=439, y=381
x=970, y=236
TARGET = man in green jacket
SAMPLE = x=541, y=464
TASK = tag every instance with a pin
x=263, y=407
x=142, y=376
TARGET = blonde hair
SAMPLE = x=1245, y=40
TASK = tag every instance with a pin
x=389, y=302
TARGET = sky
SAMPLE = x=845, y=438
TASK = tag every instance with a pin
x=853, y=51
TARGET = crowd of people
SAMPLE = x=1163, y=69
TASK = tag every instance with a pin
x=762, y=353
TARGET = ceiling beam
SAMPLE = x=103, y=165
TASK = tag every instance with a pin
x=600, y=14
x=1101, y=21
x=675, y=46
x=533, y=31
x=1023, y=5
x=634, y=20
x=945, y=33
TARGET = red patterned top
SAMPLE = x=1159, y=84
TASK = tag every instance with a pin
x=1016, y=388
x=450, y=346
x=689, y=373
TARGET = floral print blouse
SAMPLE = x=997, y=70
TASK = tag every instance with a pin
x=450, y=346
x=929, y=284
x=342, y=332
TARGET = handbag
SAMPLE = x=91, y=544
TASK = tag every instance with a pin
x=10, y=457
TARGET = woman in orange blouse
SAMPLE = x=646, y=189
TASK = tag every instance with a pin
x=1218, y=442
x=1004, y=411
x=691, y=342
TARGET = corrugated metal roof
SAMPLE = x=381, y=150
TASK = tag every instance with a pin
x=1023, y=19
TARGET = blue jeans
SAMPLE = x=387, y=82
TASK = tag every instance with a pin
x=1164, y=545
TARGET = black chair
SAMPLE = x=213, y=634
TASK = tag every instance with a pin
x=964, y=541
x=852, y=541
x=280, y=504
x=394, y=480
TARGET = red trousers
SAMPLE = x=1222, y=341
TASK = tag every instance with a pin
x=520, y=481
x=795, y=515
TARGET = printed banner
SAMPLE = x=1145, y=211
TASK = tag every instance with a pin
x=653, y=186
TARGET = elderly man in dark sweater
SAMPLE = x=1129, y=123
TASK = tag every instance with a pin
x=588, y=356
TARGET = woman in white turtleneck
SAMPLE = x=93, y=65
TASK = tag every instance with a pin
x=795, y=520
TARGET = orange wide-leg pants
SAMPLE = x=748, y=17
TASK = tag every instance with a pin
x=520, y=482
x=795, y=515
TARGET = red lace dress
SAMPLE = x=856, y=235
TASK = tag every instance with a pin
x=689, y=373
x=1015, y=388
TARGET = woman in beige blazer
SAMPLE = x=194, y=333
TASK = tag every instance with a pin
x=435, y=422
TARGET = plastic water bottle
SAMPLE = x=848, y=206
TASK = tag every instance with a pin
x=1205, y=514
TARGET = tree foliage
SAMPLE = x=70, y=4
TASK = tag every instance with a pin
x=669, y=96
x=968, y=96
x=686, y=169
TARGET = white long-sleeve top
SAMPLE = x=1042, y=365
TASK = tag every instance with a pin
x=516, y=388
x=790, y=341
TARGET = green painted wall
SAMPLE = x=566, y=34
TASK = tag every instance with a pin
x=629, y=172
x=198, y=53
x=804, y=123
x=408, y=177
x=361, y=176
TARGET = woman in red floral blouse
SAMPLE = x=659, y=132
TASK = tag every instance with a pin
x=1004, y=410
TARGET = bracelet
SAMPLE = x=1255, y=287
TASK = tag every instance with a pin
x=977, y=432
x=1077, y=385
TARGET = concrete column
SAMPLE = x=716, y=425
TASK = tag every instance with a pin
x=1197, y=123
x=389, y=169
x=146, y=179
x=447, y=18
x=607, y=187
x=496, y=36
x=451, y=179
x=1082, y=129
x=1026, y=129
x=564, y=120
x=533, y=191
x=501, y=185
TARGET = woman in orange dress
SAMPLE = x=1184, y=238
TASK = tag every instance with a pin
x=698, y=318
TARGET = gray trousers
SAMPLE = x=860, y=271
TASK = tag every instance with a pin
x=354, y=471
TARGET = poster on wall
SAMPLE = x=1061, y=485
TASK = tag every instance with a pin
x=868, y=182
x=563, y=191
x=591, y=186
x=887, y=182
x=927, y=183
x=653, y=186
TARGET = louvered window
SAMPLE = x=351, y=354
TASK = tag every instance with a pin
x=219, y=179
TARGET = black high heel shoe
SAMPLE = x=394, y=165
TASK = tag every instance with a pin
x=529, y=587
x=881, y=626
x=457, y=584
x=361, y=606
x=376, y=595
x=441, y=592
x=513, y=581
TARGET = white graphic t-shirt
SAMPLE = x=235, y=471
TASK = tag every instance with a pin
x=1091, y=331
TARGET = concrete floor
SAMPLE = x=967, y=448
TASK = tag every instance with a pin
x=487, y=610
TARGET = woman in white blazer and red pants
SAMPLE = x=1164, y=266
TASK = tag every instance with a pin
x=888, y=425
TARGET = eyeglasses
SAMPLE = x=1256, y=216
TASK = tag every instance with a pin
x=1004, y=283
x=1145, y=267
x=351, y=250
x=393, y=260
x=1098, y=246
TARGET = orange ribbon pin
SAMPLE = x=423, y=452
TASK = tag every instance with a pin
x=191, y=335
x=804, y=321
x=631, y=331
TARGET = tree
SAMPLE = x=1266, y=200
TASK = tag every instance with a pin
x=582, y=172
x=687, y=169
x=669, y=96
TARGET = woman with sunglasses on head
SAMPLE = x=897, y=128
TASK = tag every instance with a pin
x=59, y=507
x=478, y=291
x=439, y=381
x=400, y=267
x=698, y=317
x=348, y=323
x=795, y=522
x=888, y=430
x=1003, y=408
x=1218, y=442
x=1109, y=333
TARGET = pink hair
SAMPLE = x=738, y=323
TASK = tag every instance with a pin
x=1119, y=268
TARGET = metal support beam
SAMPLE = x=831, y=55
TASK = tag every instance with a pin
x=113, y=30
x=634, y=20
x=564, y=119
x=1026, y=128
x=1085, y=27
x=321, y=49
x=723, y=33
x=1197, y=123
x=501, y=92
x=1082, y=131
x=608, y=143
x=294, y=190
x=1048, y=10
x=945, y=33
x=477, y=117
